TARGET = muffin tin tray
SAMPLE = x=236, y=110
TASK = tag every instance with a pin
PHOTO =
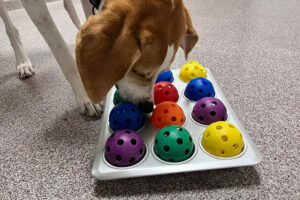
x=151, y=165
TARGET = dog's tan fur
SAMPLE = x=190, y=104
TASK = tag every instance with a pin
x=130, y=37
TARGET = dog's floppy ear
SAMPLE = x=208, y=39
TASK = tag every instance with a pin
x=105, y=51
x=191, y=37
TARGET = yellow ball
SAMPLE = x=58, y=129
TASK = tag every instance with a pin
x=222, y=139
x=192, y=70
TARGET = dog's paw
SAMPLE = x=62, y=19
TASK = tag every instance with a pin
x=25, y=70
x=90, y=109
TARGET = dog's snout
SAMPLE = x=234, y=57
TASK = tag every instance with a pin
x=146, y=107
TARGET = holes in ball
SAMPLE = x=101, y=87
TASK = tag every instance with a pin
x=224, y=138
x=186, y=69
x=190, y=138
x=200, y=118
x=192, y=75
x=173, y=118
x=219, y=127
x=167, y=93
x=208, y=94
x=141, y=151
x=204, y=83
x=133, y=110
x=230, y=125
x=214, y=103
x=115, y=122
x=120, y=142
x=222, y=151
x=171, y=160
x=118, y=158
x=128, y=120
x=156, y=141
x=132, y=159
x=166, y=134
x=223, y=119
x=192, y=86
x=174, y=105
x=168, y=79
x=179, y=129
x=166, y=148
x=200, y=90
x=108, y=148
x=166, y=110
x=127, y=131
x=169, y=86
x=203, y=105
x=138, y=120
x=207, y=134
x=187, y=151
x=133, y=141
x=196, y=68
x=213, y=113
x=159, y=119
x=235, y=146
x=182, y=120
x=179, y=141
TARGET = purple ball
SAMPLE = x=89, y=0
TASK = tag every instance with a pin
x=124, y=148
x=209, y=110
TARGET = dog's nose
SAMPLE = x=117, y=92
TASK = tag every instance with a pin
x=146, y=107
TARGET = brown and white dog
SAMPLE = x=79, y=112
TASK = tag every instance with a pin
x=129, y=43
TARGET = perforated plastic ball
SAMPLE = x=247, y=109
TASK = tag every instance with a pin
x=222, y=139
x=167, y=113
x=192, y=70
x=124, y=148
x=173, y=144
x=125, y=116
x=209, y=110
x=165, y=76
x=199, y=88
x=117, y=98
x=165, y=91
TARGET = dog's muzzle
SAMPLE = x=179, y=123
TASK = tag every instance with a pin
x=146, y=107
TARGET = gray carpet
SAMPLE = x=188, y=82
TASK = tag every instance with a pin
x=253, y=50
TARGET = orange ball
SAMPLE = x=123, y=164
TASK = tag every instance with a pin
x=167, y=113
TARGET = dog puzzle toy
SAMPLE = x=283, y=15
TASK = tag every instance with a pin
x=199, y=88
x=173, y=144
x=222, y=139
x=124, y=148
x=165, y=91
x=209, y=110
x=192, y=70
x=126, y=116
x=117, y=98
x=165, y=76
x=167, y=113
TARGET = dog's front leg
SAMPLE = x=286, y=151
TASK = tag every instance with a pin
x=39, y=14
x=69, y=7
x=24, y=66
x=87, y=8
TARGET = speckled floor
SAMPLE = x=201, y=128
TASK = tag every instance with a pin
x=253, y=49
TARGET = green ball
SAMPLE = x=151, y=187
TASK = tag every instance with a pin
x=173, y=144
x=117, y=98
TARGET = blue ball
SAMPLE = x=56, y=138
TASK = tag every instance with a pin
x=199, y=88
x=125, y=116
x=165, y=76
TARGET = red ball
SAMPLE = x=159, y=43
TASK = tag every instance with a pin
x=165, y=91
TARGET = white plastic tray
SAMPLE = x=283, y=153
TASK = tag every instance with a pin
x=151, y=165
